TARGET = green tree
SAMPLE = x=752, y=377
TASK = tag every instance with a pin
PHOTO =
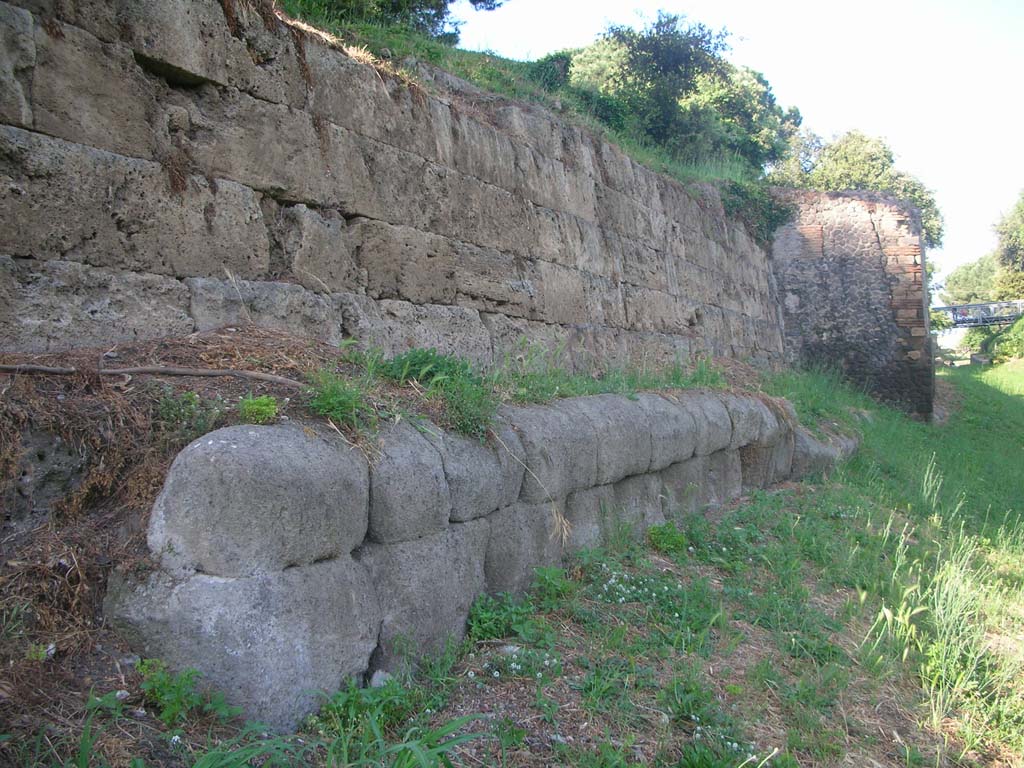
x=661, y=65
x=971, y=283
x=858, y=161
x=1010, y=229
x=750, y=123
x=1008, y=285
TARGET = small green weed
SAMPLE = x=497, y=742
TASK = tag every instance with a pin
x=187, y=416
x=340, y=400
x=175, y=695
x=260, y=409
x=495, y=618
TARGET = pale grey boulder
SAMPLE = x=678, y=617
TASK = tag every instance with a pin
x=249, y=499
x=625, y=445
x=523, y=537
x=725, y=477
x=590, y=513
x=271, y=642
x=812, y=456
x=752, y=420
x=672, y=428
x=712, y=421
x=683, y=488
x=409, y=495
x=561, y=448
x=639, y=503
x=482, y=475
x=426, y=588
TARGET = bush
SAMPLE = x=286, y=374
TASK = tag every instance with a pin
x=1009, y=343
x=257, y=410
x=175, y=695
x=494, y=618
x=977, y=339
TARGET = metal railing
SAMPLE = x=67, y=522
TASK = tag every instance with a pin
x=992, y=313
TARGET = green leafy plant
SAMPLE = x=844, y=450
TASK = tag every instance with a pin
x=175, y=694
x=494, y=618
x=260, y=409
x=340, y=400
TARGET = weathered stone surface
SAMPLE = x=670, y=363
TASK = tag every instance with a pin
x=249, y=499
x=91, y=92
x=850, y=272
x=625, y=445
x=17, y=62
x=683, y=488
x=269, y=642
x=591, y=514
x=712, y=421
x=561, y=450
x=409, y=495
x=752, y=420
x=318, y=248
x=398, y=326
x=523, y=537
x=44, y=304
x=812, y=456
x=425, y=587
x=639, y=502
x=672, y=428
x=282, y=306
x=482, y=475
x=725, y=477
x=67, y=201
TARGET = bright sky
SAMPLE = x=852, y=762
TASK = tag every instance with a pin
x=941, y=80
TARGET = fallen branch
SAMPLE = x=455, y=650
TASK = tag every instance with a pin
x=155, y=371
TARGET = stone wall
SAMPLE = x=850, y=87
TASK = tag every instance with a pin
x=287, y=563
x=850, y=271
x=164, y=169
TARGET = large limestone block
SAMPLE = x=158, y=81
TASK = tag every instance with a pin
x=752, y=421
x=68, y=201
x=236, y=136
x=409, y=496
x=318, y=248
x=271, y=643
x=725, y=477
x=398, y=326
x=624, y=434
x=281, y=306
x=249, y=499
x=482, y=475
x=590, y=513
x=639, y=502
x=522, y=537
x=56, y=305
x=561, y=448
x=714, y=426
x=17, y=60
x=91, y=92
x=684, y=488
x=672, y=428
x=812, y=456
x=425, y=587
x=405, y=263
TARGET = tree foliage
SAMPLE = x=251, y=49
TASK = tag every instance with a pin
x=660, y=65
x=1010, y=230
x=971, y=283
x=858, y=161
